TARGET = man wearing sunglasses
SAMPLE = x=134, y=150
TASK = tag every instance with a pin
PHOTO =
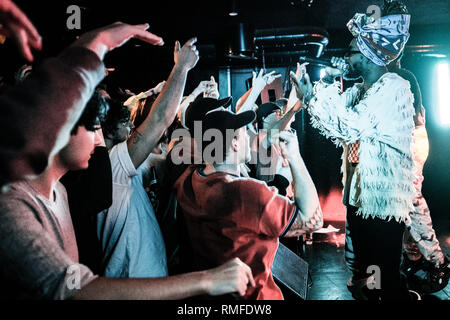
x=373, y=122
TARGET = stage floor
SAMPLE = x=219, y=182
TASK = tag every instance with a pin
x=328, y=270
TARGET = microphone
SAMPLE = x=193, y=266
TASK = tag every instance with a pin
x=318, y=61
x=322, y=62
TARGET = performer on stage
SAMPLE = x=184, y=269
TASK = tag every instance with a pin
x=373, y=122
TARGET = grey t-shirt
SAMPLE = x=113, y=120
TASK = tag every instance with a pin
x=38, y=250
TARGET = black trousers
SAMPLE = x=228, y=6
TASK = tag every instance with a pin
x=375, y=243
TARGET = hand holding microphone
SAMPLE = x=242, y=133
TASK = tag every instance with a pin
x=339, y=67
x=334, y=67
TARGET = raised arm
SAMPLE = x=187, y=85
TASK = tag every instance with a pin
x=283, y=123
x=41, y=111
x=146, y=136
x=108, y=38
x=309, y=217
x=332, y=112
x=259, y=82
x=131, y=101
x=293, y=99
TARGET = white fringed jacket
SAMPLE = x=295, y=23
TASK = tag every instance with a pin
x=382, y=120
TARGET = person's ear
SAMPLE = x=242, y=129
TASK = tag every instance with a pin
x=235, y=144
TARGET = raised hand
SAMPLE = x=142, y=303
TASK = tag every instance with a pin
x=270, y=77
x=260, y=81
x=186, y=56
x=211, y=89
x=288, y=143
x=231, y=277
x=108, y=38
x=303, y=86
x=202, y=87
x=16, y=25
x=158, y=87
x=301, y=70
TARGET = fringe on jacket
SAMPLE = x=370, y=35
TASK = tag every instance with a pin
x=382, y=120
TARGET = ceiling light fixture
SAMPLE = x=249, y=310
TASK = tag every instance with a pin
x=233, y=12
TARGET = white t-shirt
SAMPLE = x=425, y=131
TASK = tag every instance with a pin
x=132, y=242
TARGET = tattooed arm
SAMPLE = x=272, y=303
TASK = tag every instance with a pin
x=300, y=227
x=146, y=136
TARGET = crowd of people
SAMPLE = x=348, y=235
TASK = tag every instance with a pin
x=157, y=195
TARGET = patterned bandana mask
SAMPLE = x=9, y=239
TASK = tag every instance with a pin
x=383, y=40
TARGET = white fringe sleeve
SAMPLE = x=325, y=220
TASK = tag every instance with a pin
x=332, y=114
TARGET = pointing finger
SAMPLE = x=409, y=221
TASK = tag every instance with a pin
x=191, y=41
x=177, y=46
x=21, y=39
x=141, y=34
x=23, y=21
x=143, y=26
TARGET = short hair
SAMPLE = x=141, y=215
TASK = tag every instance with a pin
x=391, y=7
x=141, y=110
x=94, y=113
x=117, y=113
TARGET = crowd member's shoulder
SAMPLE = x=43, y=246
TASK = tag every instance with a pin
x=17, y=200
x=252, y=188
x=14, y=190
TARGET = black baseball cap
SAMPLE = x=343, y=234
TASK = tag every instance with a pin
x=223, y=119
x=198, y=108
x=266, y=109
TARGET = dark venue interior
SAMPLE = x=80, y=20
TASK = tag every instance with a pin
x=273, y=35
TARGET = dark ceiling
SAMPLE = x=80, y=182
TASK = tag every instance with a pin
x=180, y=20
